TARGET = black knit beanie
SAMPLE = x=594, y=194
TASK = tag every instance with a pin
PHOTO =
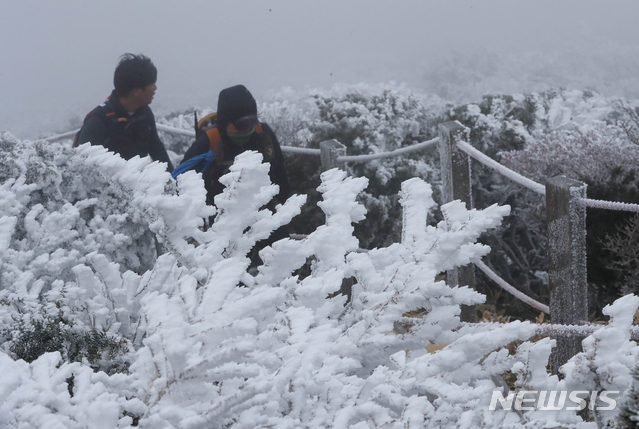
x=237, y=106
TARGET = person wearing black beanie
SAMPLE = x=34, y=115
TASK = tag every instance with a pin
x=236, y=129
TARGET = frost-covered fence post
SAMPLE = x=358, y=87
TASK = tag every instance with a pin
x=330, y=150
x=455, y=171
x=566, y=256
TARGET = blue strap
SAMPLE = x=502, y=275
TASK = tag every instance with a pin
x=191, y=163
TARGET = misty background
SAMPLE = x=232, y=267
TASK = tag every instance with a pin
x=57, y=58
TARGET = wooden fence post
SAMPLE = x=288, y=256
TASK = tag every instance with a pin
x=456, y=185
x=330, y=150
x=566, y=261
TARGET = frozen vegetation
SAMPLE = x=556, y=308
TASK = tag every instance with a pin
x=117, y=310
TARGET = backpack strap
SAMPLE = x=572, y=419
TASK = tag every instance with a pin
x=214, y=137
x=206, y=122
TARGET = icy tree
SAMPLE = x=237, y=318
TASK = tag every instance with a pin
x=212, y=345
x=287, y=351
x=78, y=238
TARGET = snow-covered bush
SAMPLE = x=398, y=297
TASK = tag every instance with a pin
x=58, y=211
x=214, y=346
x=281, y=351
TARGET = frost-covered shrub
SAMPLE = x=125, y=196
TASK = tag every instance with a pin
x=98, y=348
x=54, y=202
x=608, y=358
x=287, y=351
x=215, y=346
x=370, y=119
x=63, y=210
x=373, y=120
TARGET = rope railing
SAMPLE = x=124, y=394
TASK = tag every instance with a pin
x=503, y=170
x=63, y=136
x=301, y=150
x=565, y=331
x=557, y=330
x=176, y=131
x=397, y=152
x=537, y=187
x=541, y=329
x=609, y=205
x=511, y=289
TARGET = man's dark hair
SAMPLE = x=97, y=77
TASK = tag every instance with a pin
x=133, y=71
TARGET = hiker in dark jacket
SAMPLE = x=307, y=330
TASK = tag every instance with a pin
x=124, y=123
x=237, y=130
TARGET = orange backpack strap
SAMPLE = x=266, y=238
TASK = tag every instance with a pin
x=214, y=137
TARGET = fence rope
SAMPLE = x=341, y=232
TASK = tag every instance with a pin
x=396, y=152
x=63, y=136
x=511, y=289
x=609, y=205
x=546, y=330
x=173, y=130
x=301, y=150
x=565, y=331
x=503, y=170
x=577, y=330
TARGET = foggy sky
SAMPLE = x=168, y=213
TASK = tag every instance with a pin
x=57, y=57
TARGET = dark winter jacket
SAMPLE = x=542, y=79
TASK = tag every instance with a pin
x=265, y=143
x=126, y=134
